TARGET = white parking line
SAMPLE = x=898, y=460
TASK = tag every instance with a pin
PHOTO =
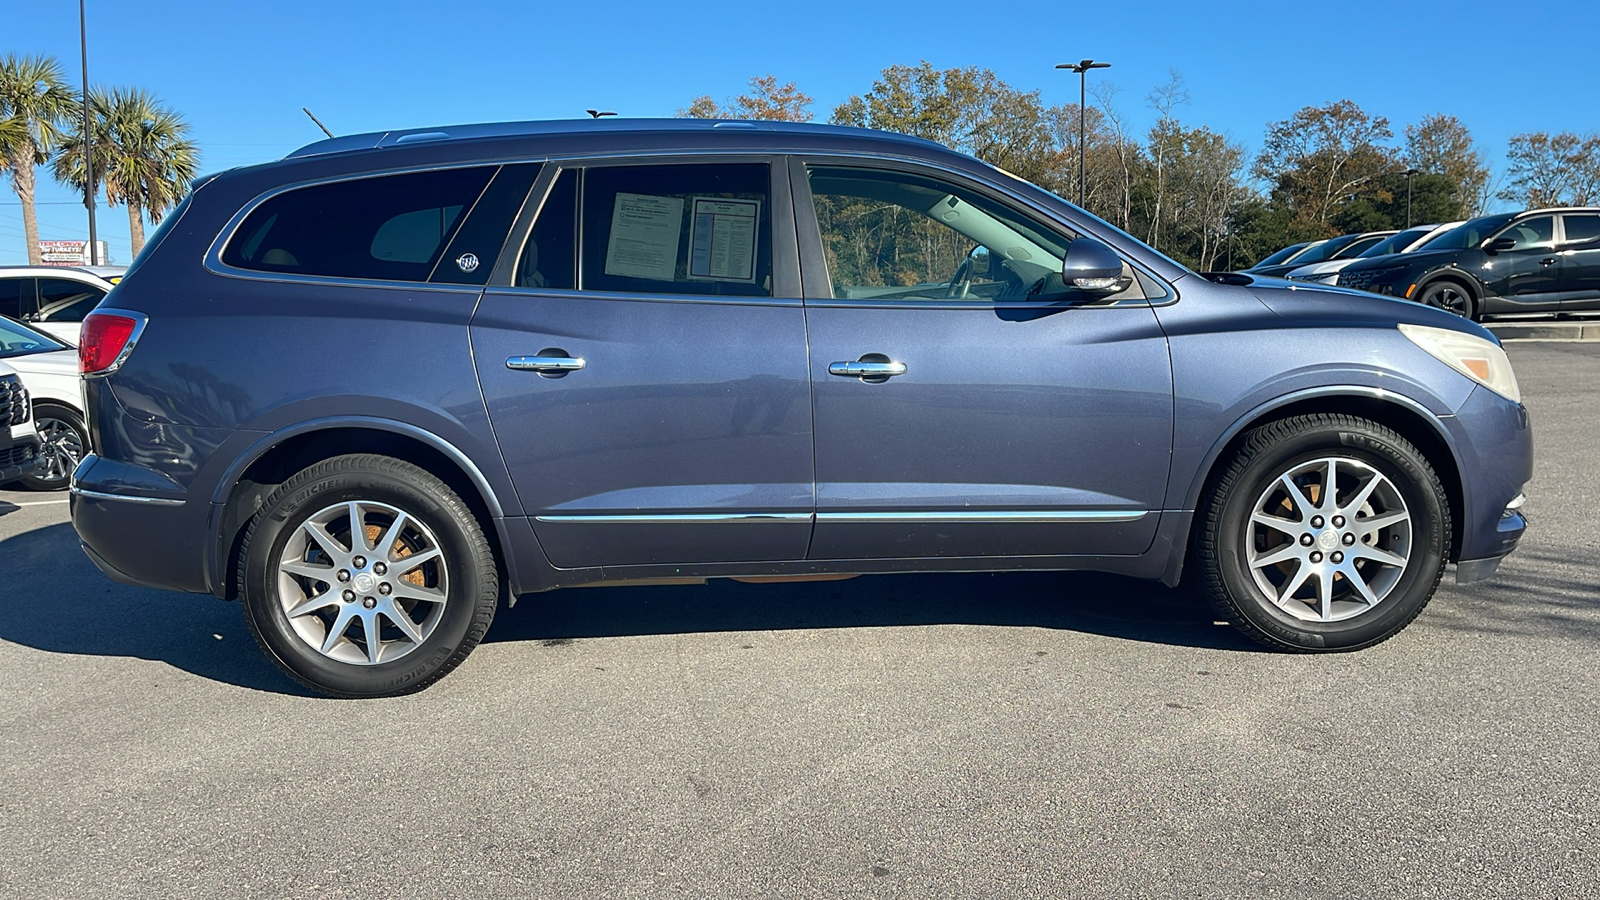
x=37, y=502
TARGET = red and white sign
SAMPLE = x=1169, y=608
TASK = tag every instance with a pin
x=68, y=253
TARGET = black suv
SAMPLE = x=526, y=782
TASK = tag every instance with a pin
x=1542, y=260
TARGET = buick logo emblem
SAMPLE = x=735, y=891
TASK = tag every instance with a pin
x=467, y=262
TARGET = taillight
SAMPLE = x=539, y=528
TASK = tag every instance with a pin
x=106, y=340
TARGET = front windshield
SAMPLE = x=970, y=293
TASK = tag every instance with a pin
x=1356, y=248
x=1284, y=254
x=1471, y=234
x=1325, y=250
x=1395, y=243
x=17, y=339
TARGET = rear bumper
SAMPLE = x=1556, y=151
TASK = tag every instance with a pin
x=134, y=536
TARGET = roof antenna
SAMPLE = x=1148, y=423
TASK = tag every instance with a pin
x=595, y=113
x=318, y=121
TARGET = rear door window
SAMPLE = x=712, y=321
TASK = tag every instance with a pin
x=16, y=297
x=702, y=228
x=550, y=257
x=390, y=227
x=63, y=300
x=1581, y=228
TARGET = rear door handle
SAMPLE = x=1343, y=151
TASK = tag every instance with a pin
x=1550, y=261
x=867, y=369
x=545, y=363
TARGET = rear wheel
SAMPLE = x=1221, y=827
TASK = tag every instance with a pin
x=1450, y=296
x=365, y=576
x=1326, y=532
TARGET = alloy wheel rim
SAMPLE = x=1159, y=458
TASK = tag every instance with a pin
x=1449, y=300
x=61, y=448
x=1329, y=539
x=363, y=582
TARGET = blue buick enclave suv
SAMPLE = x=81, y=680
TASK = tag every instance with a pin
x=375, y=387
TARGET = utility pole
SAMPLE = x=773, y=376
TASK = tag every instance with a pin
x=89, y=189
x=1082, y=68
x=1409, y=173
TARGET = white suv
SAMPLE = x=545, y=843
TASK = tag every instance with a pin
x=54, y=299
x=19, y=442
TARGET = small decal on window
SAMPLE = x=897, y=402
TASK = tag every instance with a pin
x=467, y=262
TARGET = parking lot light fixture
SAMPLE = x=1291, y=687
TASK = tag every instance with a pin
x=1082, y=67
x=1409, y=173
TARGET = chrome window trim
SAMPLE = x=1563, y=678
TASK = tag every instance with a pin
x=212, y=260
x=128, y=498
x=601, y=296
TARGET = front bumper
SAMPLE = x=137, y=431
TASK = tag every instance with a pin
x=1494, y=446
x=20, y=459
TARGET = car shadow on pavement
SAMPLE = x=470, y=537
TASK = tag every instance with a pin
x=1092, y=603
x=53, y=599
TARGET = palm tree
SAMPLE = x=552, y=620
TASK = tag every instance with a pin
x=141, y=155
x=34, y=104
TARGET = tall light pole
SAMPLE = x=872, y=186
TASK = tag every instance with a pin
x=1409, y=173
x=1082, y=67
x=88, y=139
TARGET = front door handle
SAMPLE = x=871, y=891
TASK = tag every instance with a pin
x=1549, y=261
x=867, y=369
x=545, y=365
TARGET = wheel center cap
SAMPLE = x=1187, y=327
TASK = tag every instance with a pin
x=1327, y=540
x=364, y=582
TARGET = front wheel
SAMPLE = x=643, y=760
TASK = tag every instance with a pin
x=64, y=440
x=1327, y=532
x=365, y=576
x=1450, y=297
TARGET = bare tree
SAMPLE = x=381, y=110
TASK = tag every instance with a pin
x=1553, y=169
x=1441, y=145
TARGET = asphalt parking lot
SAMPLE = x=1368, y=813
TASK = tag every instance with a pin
x=1037, y=735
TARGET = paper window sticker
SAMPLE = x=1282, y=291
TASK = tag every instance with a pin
x=645, y=231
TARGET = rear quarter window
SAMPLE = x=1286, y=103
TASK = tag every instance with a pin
x=388, y=227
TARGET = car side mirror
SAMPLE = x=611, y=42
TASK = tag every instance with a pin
x=1500, y=243
x=1093, y=268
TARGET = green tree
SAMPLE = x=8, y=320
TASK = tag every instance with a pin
x=142, y=155
x=35, y=101
x=767, y=99
x=1441, y=145
x=1324, y=157
x=973, y=111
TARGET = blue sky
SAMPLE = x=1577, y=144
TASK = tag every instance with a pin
x=241, y=72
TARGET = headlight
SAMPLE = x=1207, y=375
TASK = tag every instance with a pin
x=1482, y=361
x=1319, y=278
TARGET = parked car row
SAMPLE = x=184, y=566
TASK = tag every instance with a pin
x=1539, y=260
